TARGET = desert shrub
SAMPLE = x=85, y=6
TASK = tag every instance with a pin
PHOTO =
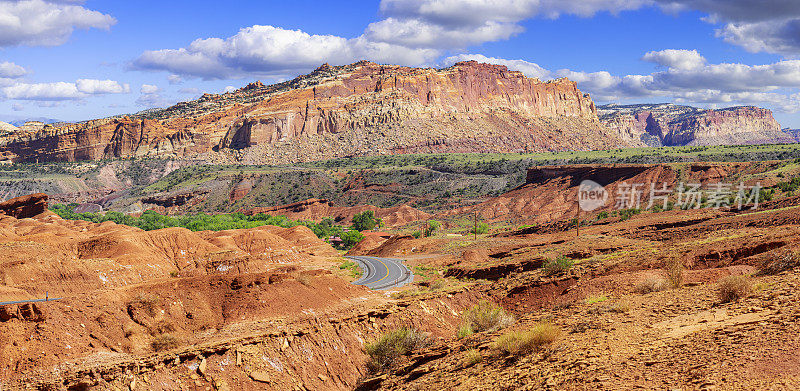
x=628, y=213
x=162, y=327
x=559, y=265
x=384, y=352
x=675, y=272
x=438, y=285
x=147, y=301
x=602, y=215
x=164, y=342
x=784, y=262
x=416, y=234
x=519, y=343
x=733, y=288
x=472, y=357
x=484, y=316
x=652, y=283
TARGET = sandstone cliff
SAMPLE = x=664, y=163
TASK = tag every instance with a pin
x=673, y=125
x=359, y=109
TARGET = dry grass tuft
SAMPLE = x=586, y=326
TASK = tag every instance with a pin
x=147, y=301
x=619, y=307
x=164, y=342
x=652, y=283
x=484, y=316
x=675, y=272
x=733, y=288
x=520, y=343
x=473, y=357
x=305, y=279
x=384, y=352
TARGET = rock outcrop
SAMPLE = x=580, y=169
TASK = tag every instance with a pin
x=25, y=206
x=358, y=109
x=673, y=125
x=6, y=127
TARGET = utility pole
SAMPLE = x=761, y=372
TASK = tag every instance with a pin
x=475, y=226
x=578, y=223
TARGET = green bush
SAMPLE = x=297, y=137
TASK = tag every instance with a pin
x=559, y=265
x=628, y=213
x=482, y=228
x=384, y=352
x=351, y=238
x=432, y=227
x=365, y=221
x=151, y=220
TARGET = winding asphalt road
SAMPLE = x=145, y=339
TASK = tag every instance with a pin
x=382, y=273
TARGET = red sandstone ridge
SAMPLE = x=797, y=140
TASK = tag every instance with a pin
x=335, y=111
x=671, y=125
x=316, y=209
x=550, y=193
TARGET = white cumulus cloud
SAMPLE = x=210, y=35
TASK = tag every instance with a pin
x=149, y=89
x=678, y=59
x=11, y=71
x=82, y=88
x=96, y=87
x=45, y=23
x=272, y=50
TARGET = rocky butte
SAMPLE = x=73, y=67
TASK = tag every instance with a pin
x=673, y=125
x=336, y=111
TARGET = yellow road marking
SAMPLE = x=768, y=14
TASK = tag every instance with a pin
x=387, y=271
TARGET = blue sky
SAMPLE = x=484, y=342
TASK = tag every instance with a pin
x=77, y=60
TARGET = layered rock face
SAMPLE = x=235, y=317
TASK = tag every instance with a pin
x=25, y=206
x=672, y=125
x=101, y=139
x=358, y=109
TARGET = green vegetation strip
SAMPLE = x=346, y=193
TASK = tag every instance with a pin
x=151, y=220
